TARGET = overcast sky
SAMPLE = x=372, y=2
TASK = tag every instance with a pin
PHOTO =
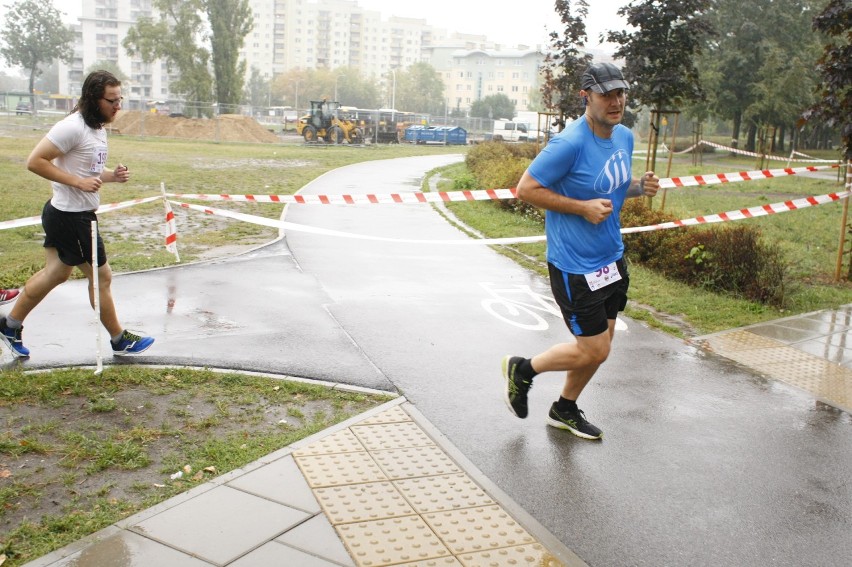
x=525, y=22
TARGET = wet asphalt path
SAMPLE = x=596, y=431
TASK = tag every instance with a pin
x=703, y=463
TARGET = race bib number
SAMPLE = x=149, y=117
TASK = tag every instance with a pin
x=603, y=277
x=99, y=157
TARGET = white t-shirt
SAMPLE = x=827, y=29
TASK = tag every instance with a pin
x=84, y=154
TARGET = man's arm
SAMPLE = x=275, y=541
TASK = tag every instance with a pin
x=595, y=210
x=40, y=162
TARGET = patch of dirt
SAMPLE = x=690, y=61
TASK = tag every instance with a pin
x=224, y=127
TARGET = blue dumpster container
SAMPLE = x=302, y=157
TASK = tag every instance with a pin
x=419, y=134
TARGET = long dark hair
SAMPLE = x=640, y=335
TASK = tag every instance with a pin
x=93, y=90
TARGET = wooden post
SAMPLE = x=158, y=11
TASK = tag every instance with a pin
x=671, y=155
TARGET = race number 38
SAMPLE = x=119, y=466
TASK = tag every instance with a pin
x=603, y=277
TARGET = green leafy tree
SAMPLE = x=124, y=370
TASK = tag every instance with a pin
x=33, y=34
x=230, y=22
x=564, y=65
x=258, y=90
x=419, y=88
x=493, y=106
x=108, y=65
x=660, y=55
x=835, y=67
x=353, y=90
x=762, y=48
x=172, y=39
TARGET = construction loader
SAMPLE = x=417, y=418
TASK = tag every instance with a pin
x=327, y=122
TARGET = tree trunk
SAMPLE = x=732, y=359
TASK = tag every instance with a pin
x=750, y=137
x=735, y=136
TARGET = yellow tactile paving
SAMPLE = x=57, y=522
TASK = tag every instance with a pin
x=396, y=498
x=830, y=382
x=409, y=462
x=442, y=492
x=477, y=529
x=362, y=502
x=339, y=468
x=385, y=542
x=518, y=556
x=391, y=435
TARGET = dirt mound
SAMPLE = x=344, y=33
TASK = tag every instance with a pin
x=225, y=127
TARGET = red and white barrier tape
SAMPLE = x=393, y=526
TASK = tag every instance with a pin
x=30, y=221
x=740, y=214
x=414, y=197
x=745, y=213
x=713, y=179
x=753, y=154
x=328, y=232
x=480, y=194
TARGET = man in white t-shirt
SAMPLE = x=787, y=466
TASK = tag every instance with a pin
x=73, y=156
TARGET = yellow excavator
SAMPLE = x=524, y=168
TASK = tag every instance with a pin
x=327, y=122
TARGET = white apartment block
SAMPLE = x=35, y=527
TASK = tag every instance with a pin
x=293, y=34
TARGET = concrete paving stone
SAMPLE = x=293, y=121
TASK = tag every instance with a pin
x=438, y=562
x=337, y=469
x=274, y=553
x=281, y=481
x=391, y=435
x=317, y=537
x=410, y=462
x=392, y=415
x=214, y=525
x=343, y=441
x=780, y=333
x=477, y=529
x=443, y=492
x=391, y=541
x=127, y=549
x=517, y=556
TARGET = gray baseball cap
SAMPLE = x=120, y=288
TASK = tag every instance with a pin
x=602, y=78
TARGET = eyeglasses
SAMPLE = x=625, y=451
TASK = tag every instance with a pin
x=115, y=101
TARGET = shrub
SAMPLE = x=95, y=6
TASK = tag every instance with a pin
x=731, y=259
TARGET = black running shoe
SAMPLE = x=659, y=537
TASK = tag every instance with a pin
x=516, y=387
x=574, y=421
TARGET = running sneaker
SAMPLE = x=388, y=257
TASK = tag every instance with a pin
x=12, y=337
x=130, y=343
x=8, y=295
x=574, y=421
x=516, y=387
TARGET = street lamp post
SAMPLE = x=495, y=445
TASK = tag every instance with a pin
x=335, y=88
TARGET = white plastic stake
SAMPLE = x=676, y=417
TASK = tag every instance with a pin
x=96, y=294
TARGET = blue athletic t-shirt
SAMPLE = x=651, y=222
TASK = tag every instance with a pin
x=582, y=166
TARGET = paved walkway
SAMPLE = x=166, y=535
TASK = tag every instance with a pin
x=705, y=461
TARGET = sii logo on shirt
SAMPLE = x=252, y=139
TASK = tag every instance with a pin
x=615, y=173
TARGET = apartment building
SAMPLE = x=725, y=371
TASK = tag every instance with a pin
x=291, y=34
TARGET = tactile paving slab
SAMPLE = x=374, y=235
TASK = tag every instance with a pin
x=391, y=435
x=477, y=529
x=517, y=556
x=339, y=468
x=443, y=492
x=829, y=381
x=394, y=497
x=387, y=542
x=362, y=502
x=343, y=441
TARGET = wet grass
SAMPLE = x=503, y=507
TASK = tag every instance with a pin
x=80, y=452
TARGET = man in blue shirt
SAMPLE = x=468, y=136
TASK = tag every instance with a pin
x=581, y=179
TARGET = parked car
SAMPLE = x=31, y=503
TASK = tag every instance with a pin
x=23, y=107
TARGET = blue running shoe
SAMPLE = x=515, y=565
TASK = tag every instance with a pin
x=12, y=337
x=131, y=344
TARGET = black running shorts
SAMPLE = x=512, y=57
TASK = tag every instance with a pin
x=586, y=312
x=71, y=235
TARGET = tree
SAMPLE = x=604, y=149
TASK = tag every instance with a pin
x=660, y=55
x=353, y=90
x=172, y=38
x=108, y=65
x=835, y=68
x=230, y=22
x=493, y=106
x=563, y=67
x=762, y=48
x=420, y=89
x=258, y=90
x=33, y=34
